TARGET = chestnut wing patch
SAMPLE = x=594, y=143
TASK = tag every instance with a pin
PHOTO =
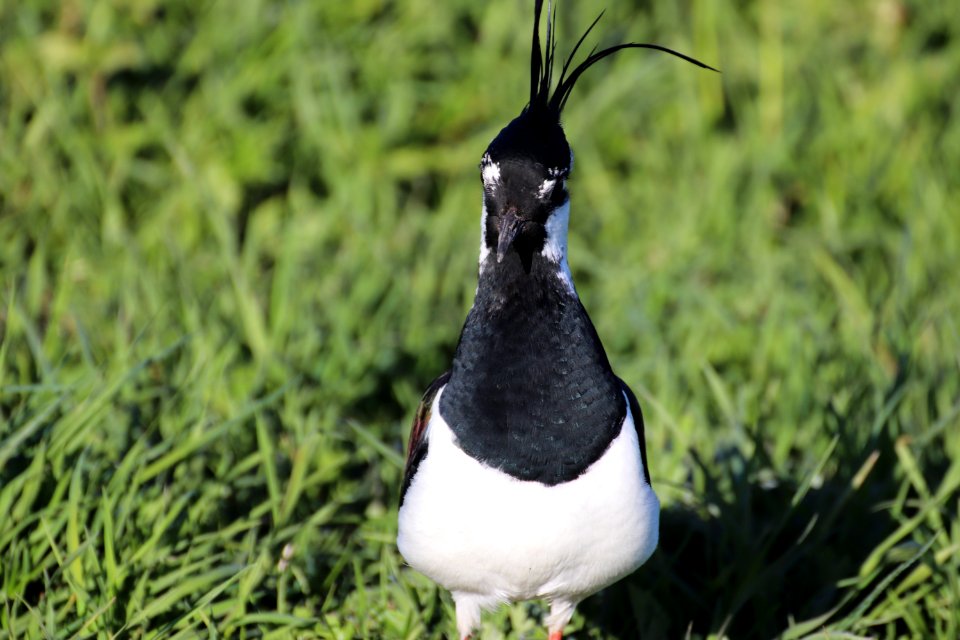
x=417, y=444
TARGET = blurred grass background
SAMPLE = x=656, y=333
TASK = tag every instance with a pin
x=237, y=240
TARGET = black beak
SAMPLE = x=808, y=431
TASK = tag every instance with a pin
x=508, y=227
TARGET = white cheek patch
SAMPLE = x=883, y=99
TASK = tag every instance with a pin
x=555, y=244
x=484, y=249
x=490, y=171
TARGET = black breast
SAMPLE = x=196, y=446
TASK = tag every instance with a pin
x=531, y=391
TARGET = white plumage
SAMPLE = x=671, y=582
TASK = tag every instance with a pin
x=490, y=538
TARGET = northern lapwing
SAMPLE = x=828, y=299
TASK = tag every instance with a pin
x=526, y=473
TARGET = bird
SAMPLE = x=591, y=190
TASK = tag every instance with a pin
x=526, y=473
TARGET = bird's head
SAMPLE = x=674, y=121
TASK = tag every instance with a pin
x=525, y=168
x=524, y=173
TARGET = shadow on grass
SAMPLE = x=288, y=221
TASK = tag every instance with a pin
x=758, y=549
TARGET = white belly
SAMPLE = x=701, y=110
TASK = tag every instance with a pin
x=475, y=529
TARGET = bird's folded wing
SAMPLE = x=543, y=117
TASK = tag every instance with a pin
x=417, y=444
x=638, y=422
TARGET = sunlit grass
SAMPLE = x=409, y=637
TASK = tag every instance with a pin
x=237, y=240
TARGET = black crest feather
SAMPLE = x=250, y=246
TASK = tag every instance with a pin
x=541, y=63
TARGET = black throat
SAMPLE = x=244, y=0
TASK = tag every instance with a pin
x=531, y=391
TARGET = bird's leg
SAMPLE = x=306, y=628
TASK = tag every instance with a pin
x=468, y=614
x=561, y=611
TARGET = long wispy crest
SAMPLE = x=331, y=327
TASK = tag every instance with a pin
x=541, y=62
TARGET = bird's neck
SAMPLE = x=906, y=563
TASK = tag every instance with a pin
x=522, y=285
x=530, y=382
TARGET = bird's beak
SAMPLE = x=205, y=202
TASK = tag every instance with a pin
x=507, y=230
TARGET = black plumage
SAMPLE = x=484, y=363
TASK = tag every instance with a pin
x=531, y=391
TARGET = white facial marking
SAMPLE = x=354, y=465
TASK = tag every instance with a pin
x=555, y=244
x=484, y=249
x=490, y=171
x=546, y=188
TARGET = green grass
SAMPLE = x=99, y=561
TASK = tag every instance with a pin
x=238, y=239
